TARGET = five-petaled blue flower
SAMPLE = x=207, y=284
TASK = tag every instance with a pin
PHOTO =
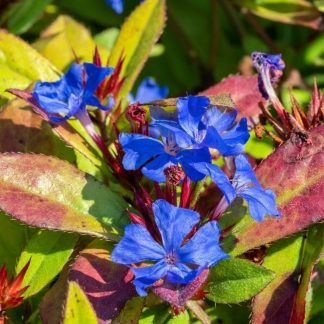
x=154, y=156
x=198, y=123
x=70, y=95
x=149, y=91
x=269, y=67
x=244, y=184
x=187, y=134
x=176, y=261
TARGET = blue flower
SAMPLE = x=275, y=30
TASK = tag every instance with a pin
x=177, y=263
x=195, y=122
x=269, y=67
x=244, y=184
x=149, y=91
x=154, y=156
x=70, y=95
x=116, y=5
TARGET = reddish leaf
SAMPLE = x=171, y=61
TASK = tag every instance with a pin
x=285, y=299
x=178, y=295
x=46, y=192
x=295, y=171
x=243, y=90
x=22, y=130
x=107, y=285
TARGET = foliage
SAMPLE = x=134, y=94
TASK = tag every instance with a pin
x=161, y=211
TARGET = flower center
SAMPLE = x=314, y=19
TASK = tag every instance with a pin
x=171, y=258
x=171, y=146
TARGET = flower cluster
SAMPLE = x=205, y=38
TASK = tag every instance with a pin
x=174, y=145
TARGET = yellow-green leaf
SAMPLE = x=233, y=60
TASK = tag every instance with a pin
x=136, y=39
x=48, y=251
x=78, y=308
x=20, y=64
x=64, y=36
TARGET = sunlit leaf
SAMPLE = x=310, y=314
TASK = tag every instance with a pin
x=236, y=280
x=49, y=193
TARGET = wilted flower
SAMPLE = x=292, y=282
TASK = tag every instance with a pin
x=177, y=261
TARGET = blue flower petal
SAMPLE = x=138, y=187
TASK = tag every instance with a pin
x=261, y=202
x=94, y=101
x=218, y=177
x=181, y=274
x=167, y=123
x=139, y=149
x=203, y=248
x=190, y=111
x=149, y=91
x=174, y=223
x=237, y=135
x=188, y=157
x=94, y=76
x=154, y=170
x=214, y=140
x=116, y=5
x=147, y=276
x=222, y=121
x=244, y=173
x=53, y=96
x=137, y=245
x=74, y=108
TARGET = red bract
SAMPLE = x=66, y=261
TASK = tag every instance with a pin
x=10, y=290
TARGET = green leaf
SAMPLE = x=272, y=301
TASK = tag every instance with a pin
x=64, y=36
x=182, y=318
x=131, y=312
x=20, y=64
x=236, y=280
x=78, y=308
x=24, y=14
x=12, y=241
x=48, y=251
x=300, y=12
x=136, y=39
x=49, y=193
x=96, y=11
x=259, y=148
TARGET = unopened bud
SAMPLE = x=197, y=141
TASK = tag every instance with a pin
x=136, y=113
x=174, y=174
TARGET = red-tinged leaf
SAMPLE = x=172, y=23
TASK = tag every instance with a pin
x=275, y=302
x=243, y=90
x=285, y=299
x=64, y=130
x=46, y=192
x=178, y=295
x=295, y=172
x=312, y=251
x=107, y=285
x=22, y=130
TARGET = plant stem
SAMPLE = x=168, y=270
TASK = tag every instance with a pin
x=198, y=311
